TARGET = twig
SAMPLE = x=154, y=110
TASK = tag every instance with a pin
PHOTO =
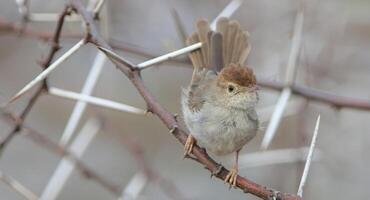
x=309, y=158
x=55, y=47
x=65, y=166
x=306, y=92
x=289, y=80
x=96, y=101
x=18, y=187
x=169, y=120
x=320, y=95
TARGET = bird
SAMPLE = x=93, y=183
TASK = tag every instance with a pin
x=219, y=104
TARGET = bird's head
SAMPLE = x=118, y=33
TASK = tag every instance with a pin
x=236, y=87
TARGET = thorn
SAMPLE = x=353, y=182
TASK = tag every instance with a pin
x=147, y=112
x=173, y=129
x=176, y=116
x=274, y=195
x=113, y=56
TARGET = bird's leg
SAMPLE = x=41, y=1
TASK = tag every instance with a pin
x=189, y=145
x=233, y=174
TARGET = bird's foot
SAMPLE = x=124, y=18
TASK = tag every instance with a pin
x=189, y=144
x=232, y=176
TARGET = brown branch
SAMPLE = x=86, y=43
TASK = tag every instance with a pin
x=10, y=27
x=167, y=186
x=46, y=143
x=309, y=93
x=169, y=120
x=320, y=95
x=55, y=47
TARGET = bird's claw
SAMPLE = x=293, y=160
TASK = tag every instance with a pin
x=231, y=177
x=189, y=144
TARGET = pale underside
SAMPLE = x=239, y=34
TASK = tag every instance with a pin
x=221, y=130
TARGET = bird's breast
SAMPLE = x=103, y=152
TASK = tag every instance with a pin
x=220, y=130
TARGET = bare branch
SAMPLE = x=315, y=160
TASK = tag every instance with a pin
x=42, y=88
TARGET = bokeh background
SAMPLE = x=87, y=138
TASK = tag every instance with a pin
x=334, y=57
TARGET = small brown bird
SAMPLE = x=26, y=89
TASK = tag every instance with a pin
x=219, y=104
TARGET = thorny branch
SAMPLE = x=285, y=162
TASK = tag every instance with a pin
x=54, y=48
x=45, y=142
x=337, y=101
x=133, y=73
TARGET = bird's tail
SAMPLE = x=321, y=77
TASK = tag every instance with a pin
x=228, y=44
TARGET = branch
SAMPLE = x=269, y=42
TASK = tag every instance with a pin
x=41, y=89
x=320, y=95
x=48, y=144
x=169, y=120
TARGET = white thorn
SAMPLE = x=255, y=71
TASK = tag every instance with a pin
x=48, y=70
x=273, y=157
x=96, y=101
x=227, y=11
x=15, y=185
x=276, y=117
x=169, y=55
x=66, y=166
x=80, y=106
x=134, y=187
x=51, y=17
x=309, y=158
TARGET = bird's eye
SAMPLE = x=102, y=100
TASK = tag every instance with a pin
x=230, y=88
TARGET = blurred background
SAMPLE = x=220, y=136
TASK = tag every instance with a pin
x=334, y=57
